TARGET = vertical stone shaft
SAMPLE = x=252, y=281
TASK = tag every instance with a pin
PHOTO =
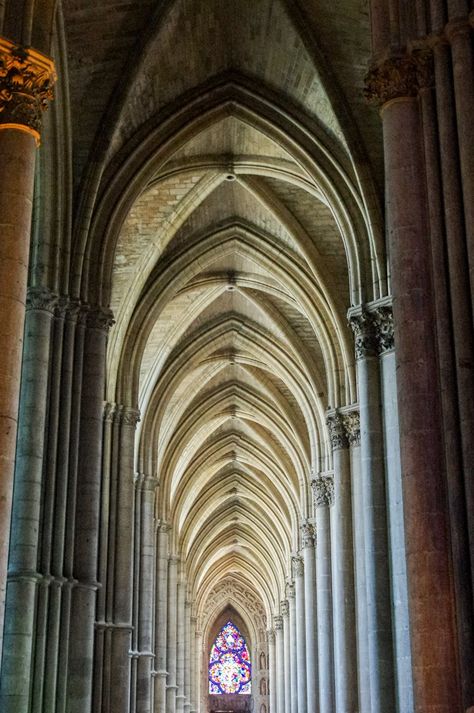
x=298, y=575
x=187, y=657
x=146, y=590
x=17, y=161
x=180, y=646
x=172, y=632
x=24, y=542
x=360, y=583
x=81, y=642
x=285, y=610
x=431, y=601
x=273, y=683
x=342, y=569
x=323, y=497
x=307, y=539
x=293, y=650
x=279, y=665
x=396, y=525
x=161, y=608
x=377, y=574
x=194, y=666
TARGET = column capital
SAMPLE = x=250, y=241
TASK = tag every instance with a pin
x=323, y=490
x=383, y=327
x=400, y=76
x=146, y=482
x=278, y=622
x=337, y=430
x=307, y=534
x=270, y=636
x=284, y=607
x=27, y=78
x=290, y=590
x=372, y=325
x=163, y=526
x=297, y=566
x=110, y=409
x=98, y=318
x=362, y=326
x=352, y=427
x=129, y=416
x=40, y=298
x=174, y=559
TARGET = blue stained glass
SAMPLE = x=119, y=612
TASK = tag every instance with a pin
x=230, y=669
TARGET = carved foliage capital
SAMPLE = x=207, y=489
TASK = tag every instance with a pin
x=364, y=335
x=323, y=491
x=307, y=534
x=26, y=85
x=284, y=607
x=129, y=416
x=278, y=622
x=41, y=299
x=337, y=431
x=401, y=76
x=290, y=590
x=101, y=319
x=352, y=426
x=297, y=566
x=383, y=327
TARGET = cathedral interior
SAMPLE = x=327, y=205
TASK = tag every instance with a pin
x=236, y=382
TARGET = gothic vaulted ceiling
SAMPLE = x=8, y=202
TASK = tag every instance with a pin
x=224, y=170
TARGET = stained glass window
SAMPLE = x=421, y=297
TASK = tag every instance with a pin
x=230, y=670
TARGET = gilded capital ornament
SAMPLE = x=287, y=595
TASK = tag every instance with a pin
x=323, y=491
x=337, y=431
x=26, y=85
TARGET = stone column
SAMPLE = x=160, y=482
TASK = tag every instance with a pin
x=298, y=576
x=147, y=486
x=161, y=616
x=342, y=568
x=194, y=666
x=180, y=646
x=377, y=571
x=285, y=612
x=393, y=84
x=383, y=323
x=279, y=664
x=87, y=514
x=198, y=671
x=272, y=683
x=172, y=634
x=323, y=489
x=187, y=657
x=307, y=544
x=290, y=593
x=25, y=87
x=23, y=577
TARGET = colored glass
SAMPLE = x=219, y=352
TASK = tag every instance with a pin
x=230, y=670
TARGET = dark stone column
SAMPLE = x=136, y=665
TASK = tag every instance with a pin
x=394, y=85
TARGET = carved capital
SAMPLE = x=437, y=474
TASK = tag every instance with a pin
x=130, y=416
x=297, y=566
x=352, y=427
x=109, y=412
x=146, y=482
x=397, y=77
x=307, y=534
x=337, y=431
x=284, y=607
x=365, y=339
x=290, y=590
x=278, y=623
x=68, y=308
x=323, y=491
x=271, y=636
x=39, y=298
x=101, y=319
x=383, y=328
x=26, y=85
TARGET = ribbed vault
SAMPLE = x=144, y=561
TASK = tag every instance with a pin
x=233, y=233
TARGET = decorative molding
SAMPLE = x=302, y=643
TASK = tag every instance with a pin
x=109, y=412
x=365, y=340
x=27, y=78
x=297, y=566
x=323, y=490
x=146, y=482
x=352, y=427
x=278, y=622
x=41, y=299
x=307, y=534
x=337, y=431
x=290, y=590
x=99, y=318
x=400, y=76
x=270, y=636
x=383, y=327
x=284, y=607
x=129, y=416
